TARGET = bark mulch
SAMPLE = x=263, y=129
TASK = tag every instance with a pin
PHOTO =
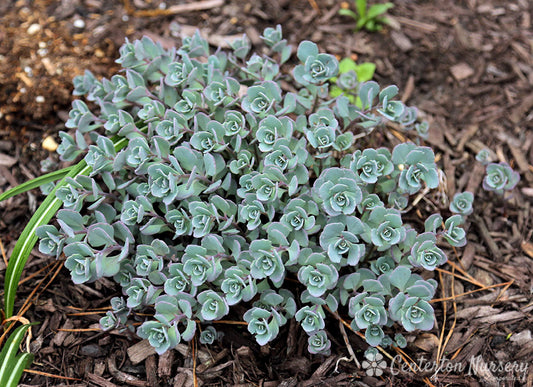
x=467, y=65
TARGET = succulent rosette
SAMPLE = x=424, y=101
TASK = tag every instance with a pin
x=417, y=165
x=198, y=266
x=272, y=129
x=214, y=306
x=260, y=100
x=318, y=278
x=341, y=241
x=462, y=203
x=319, y=343
x=367, y=311
x=299, y=216
x=500, y=177
x=238, y=285
x=161, y=337
x=208, y=335
x=453, y=233
x=371, y=164
x=412, y=312
x=311, y=318
x=316, y=67
x=337, y=191
x=267, y=261
x=262, y=324
x=384, y=228
x=425, y=252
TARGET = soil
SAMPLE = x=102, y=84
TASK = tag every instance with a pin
x=468, y=67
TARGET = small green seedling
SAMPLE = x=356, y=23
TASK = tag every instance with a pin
x=351, y=75
x=368, y=18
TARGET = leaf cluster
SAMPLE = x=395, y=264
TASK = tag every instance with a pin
x=369, y=18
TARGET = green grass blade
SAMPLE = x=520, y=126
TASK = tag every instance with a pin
x=27, y=239
x=34, y=183
x=378, y=9
x=16, y=369
x=361, y=7
x=10, y=363
x=348, y=12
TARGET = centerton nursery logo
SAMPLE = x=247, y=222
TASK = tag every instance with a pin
x=374, y=363
x=476, y=365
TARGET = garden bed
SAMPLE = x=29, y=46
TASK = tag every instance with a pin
x=466, y=65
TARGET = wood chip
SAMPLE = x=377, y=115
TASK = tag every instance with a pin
x=164, y=368
x=185, y=351
x=401, y=41
x=140, y=351
x=60, y=336
x=476, y=312
x=461, y=71
x=426, y=27
x=521, y=337
x=297, y=365
x=99, y=367
x=476, y=177
x=210, y=372
x=185, y=378
x=50, y=68
x=289, y=382
x=466, y=135
x=100, y=381
x=525, y=353
x=426, y=342
x=181, y=8
x=195, y=6
x=211, y=362
x=222, y=41
x=522, y=52
x=253, y=35
x=8, y=176
x=502, y=317
x=151, y=371
x=408, y=89
x=520, y=111
x=324, y=367
x=481, y=369
x=7, y=161
x=527, y=247
x=122, y=376
x=485, y=234
x=527, y=192
x=521, y=160
x=468, y=255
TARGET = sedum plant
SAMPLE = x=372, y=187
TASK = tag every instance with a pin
x=206, y=182
x=500, y=177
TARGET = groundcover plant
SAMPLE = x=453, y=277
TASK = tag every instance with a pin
x=213, y=179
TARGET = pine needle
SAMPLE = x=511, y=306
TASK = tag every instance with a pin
x=4, y=256
x=194, y=350
x=78, y=329
x=51, y=375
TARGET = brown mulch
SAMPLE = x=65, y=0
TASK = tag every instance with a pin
x=467, y=65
